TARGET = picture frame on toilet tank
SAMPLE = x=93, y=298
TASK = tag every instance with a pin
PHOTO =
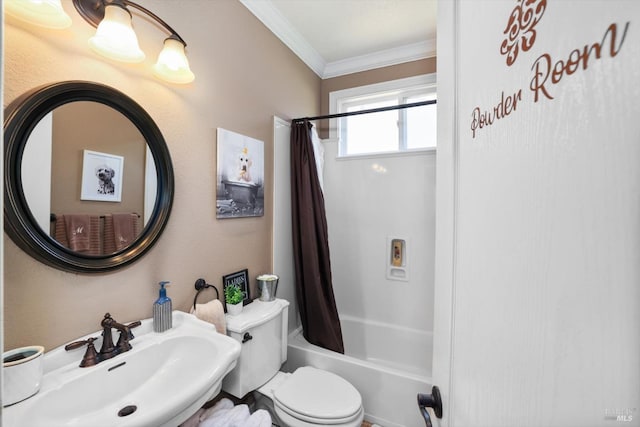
x=239, y=176
x=240, y=278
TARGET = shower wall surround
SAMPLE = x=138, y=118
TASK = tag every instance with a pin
x=369, y=200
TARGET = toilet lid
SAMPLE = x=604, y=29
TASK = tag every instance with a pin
x=315, y=395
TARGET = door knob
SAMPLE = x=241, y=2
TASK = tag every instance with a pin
x=433, y=401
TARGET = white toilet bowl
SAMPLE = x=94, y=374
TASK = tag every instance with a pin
x=312, y=397
x=309, y=397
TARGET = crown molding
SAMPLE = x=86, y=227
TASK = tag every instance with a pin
x=280, y=26
x=383, y=58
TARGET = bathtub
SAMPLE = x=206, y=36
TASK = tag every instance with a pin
x=388, y=365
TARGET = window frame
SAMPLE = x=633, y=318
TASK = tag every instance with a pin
x=400, y=89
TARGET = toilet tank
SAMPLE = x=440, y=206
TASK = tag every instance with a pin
x=261, y=329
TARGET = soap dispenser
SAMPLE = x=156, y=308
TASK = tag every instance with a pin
x=162, y=311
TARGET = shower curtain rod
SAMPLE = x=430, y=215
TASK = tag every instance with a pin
x=372, y=110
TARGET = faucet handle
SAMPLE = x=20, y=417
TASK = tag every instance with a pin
x=77, y=344
x=131, y=326
x=123, y=341
x=125, y=336
x=90, y=357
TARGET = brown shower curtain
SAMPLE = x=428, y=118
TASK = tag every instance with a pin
x=314, y=289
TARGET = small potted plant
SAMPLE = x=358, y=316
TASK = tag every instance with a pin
x=233, y=296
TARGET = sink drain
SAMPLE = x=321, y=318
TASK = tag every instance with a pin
x=127, y=410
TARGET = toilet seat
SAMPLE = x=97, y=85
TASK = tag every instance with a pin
x=287, y=420
x=318, y=397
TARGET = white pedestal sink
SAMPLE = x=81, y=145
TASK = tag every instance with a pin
x=163, y=380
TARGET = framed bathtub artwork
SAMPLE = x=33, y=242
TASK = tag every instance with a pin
x=240, y=176
x=101, y=177
x=241, y=279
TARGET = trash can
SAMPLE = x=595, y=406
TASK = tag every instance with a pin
x=267, y=286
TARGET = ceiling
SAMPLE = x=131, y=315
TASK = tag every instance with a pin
x=337, y=37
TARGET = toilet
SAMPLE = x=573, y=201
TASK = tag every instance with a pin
x=309, y=396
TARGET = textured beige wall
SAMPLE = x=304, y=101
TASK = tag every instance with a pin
x=244, y=75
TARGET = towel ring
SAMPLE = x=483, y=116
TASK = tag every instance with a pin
x=201, y=285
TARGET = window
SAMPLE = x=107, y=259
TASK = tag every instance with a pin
x=401, y=130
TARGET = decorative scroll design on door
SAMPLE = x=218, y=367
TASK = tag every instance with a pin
x=520, y=31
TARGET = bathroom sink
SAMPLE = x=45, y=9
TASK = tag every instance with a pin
x=161, y=381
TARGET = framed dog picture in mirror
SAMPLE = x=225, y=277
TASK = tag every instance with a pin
x=240, y=176
x=101, y=177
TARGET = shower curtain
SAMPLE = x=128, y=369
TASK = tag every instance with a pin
x=314, y=289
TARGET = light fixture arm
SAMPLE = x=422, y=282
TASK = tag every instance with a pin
x=173, y=32
x=93, y=12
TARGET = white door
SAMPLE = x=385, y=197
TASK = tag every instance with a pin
x=537, y=317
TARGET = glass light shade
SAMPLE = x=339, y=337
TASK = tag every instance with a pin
x=115, y=38
x=173, y=65
x=44, y=13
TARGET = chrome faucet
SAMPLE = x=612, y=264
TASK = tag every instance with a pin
x=108, y=350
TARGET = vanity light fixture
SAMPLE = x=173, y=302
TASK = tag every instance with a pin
x=115, y=38
x=43, y=13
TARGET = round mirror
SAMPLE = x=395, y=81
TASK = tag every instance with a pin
x=88, y=177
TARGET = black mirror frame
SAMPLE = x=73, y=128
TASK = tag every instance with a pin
x=20, y=119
